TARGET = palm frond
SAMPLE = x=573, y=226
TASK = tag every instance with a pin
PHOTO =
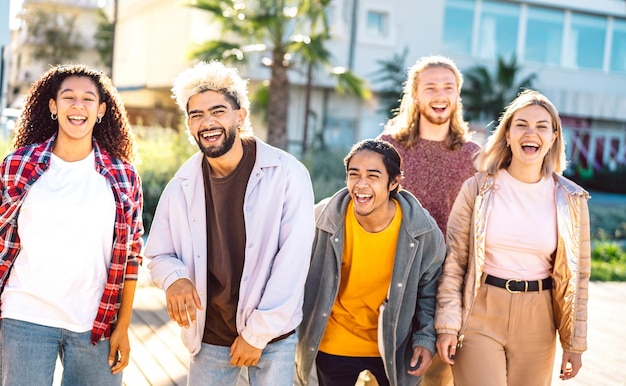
x=350, y=83
x=219, y=50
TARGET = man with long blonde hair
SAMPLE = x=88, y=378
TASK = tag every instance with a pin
x=434, y=142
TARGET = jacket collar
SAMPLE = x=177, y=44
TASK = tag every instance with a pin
x=267, y=156
x=572, y=188
x=330, y=213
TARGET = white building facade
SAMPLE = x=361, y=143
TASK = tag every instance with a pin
x=577, y=48
x=24, y=68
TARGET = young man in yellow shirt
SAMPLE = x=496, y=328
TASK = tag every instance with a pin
x=370, y=293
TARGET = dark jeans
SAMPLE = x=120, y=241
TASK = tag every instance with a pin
x=335, y=370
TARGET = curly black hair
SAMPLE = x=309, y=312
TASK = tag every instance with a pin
x=113, y=134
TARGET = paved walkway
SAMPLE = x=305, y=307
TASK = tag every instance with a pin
x=158, y=357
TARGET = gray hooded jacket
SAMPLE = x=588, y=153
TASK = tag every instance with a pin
x=408, y=313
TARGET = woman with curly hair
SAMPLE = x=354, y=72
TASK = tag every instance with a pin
x=70, y=233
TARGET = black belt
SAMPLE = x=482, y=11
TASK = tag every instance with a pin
x=517, y=285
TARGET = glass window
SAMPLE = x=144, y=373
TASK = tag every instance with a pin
x=585, y=48
x=376, y=23
x=458, y=26
x=498, y=30
x=544, y=36
x=340, y=132
x=618, y=48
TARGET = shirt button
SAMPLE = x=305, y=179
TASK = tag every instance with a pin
x=399, y=285
x=336, y=240
x=412, y=245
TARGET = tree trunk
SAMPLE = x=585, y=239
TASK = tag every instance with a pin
x=278, y=102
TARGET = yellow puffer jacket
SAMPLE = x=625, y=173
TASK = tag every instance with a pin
x=463, y=267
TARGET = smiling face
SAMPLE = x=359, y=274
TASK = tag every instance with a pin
x=530, y=136
x=437, y=95
x=369, y=185
x=78, y=106
x=213, y=123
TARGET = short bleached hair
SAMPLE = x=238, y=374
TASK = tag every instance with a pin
x=213, y=76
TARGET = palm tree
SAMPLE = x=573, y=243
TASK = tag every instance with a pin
x=314, y=54
x=485, y=96
x=392, y=75
x=55, y=36
x=103, y=37
x=270, y=26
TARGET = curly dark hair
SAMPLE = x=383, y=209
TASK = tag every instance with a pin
x=113, y=134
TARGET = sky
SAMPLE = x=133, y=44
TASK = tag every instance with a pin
x=14, y=7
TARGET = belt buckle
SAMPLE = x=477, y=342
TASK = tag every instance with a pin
x=506, y=285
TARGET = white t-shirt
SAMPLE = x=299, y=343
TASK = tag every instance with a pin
x=66, y=233
x=521, y=230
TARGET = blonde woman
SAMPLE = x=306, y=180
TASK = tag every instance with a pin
x=517, y=268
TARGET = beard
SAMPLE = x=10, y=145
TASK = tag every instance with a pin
x=220, y=150
x=436, y=119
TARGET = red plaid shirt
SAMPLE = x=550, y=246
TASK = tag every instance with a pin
x=22, y=168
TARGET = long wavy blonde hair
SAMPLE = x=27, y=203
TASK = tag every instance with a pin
x=404, y=127
x=497, y=155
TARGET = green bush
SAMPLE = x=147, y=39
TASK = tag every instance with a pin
x=161, y=153
x=328, y=174
x=608, y=261
x=607, y=221
x=5, y=147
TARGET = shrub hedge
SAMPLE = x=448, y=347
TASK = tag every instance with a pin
x=608, y=261
x=163, y=151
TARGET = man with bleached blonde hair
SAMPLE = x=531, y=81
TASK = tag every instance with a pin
x=231, y=238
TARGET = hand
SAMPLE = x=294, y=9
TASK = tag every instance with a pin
x=182, y=302
x=446, y=347
x=570, y=365
x=119, y=351
x=244, y=354
x=423, y=357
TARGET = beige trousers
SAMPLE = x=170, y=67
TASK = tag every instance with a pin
x=510, y=340
x=438, y=374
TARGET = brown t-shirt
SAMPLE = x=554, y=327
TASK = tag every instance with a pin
x=226, y=241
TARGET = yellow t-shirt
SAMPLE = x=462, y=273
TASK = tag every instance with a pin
x=366, y=269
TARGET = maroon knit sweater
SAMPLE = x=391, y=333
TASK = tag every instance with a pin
x=434, y=174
